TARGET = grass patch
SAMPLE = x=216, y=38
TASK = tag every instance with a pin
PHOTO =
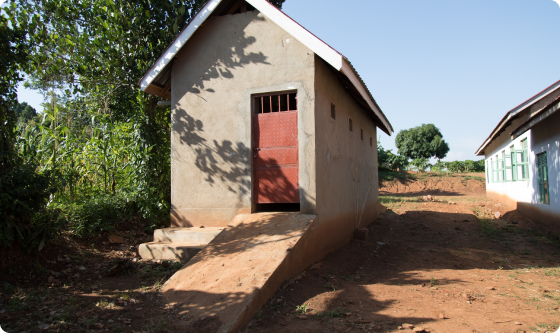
x=544, y=326
x=488, y=228
x=477, y=178
x=159, y=272
x=302, y=309
x=157, y=326
x=330, y=286
x=552, y=272
x=388, y=199
x=391, y=175
x=338, y=313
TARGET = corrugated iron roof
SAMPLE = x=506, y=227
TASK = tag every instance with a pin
x=511, y=115
x=536, y=118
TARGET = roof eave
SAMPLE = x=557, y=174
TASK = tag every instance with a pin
x=480, y=151
x=181, y=39
x=536, y=118
x=354, y=77
x=515, y=111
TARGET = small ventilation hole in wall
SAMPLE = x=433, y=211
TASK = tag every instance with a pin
x=333, y=111
x=362, y=134
x=350, y=125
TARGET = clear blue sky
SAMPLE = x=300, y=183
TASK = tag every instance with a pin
x=458, y=64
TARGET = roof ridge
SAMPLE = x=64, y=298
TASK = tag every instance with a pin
x=288, y=24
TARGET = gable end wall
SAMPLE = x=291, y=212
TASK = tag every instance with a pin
x=226, y=61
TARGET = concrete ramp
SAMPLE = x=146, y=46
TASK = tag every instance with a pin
x=222, y=287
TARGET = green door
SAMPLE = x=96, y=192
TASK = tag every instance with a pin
x=542, y=170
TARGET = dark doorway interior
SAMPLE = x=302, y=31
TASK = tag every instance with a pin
x=277, y=207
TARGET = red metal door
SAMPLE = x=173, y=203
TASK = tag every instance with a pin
x=275, y=149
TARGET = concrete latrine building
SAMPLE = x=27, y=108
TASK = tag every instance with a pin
x=267, y=117
x=265, y=112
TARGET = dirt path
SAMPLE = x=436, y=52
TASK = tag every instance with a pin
x=447, y=265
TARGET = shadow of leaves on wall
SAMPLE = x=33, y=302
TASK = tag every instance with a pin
x=223, y=161
x=228, y=55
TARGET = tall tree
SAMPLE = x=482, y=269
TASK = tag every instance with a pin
x=13, y=58
x=25, y=112
x=24, y=190
x=425, y=141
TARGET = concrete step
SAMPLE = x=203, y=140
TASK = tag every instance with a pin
x=186, y=235
x=170, y=251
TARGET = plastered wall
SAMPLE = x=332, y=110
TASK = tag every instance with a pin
x=226, y=61
x=347, y=180
x=545, y=136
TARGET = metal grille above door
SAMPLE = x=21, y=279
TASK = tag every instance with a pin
x=275, y=148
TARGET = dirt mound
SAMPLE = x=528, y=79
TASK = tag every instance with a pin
x=433, y=184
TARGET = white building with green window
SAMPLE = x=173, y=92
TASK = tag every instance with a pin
x=522, y=155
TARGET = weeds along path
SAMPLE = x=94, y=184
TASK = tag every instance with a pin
x=78, y=285
x=443, y=265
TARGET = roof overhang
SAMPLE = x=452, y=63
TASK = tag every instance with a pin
x=157, y=80
x=513, y=114
x=536, y=118
x=150, y=83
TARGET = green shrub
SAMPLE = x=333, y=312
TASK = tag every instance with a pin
x=398, y=162
x=23, y=195
x=421, y=164
x=390, y=175
x=97, y=215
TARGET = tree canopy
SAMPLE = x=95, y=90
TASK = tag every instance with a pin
x=25, y=112
x=277, y=3
x=100, y=152
x=13, y=58
x=425, y=141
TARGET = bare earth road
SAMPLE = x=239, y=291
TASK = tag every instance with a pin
x=446, y=265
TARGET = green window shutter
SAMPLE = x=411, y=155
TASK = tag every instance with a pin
x=492, y=168
x=522, y=164
x=495, y=170
x=522, y=161
x=512, y=161
x=491, y=171
x=508, y=169
x=501, y=168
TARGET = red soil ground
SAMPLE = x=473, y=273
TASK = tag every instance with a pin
x=443, y=265
x=447, y=265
